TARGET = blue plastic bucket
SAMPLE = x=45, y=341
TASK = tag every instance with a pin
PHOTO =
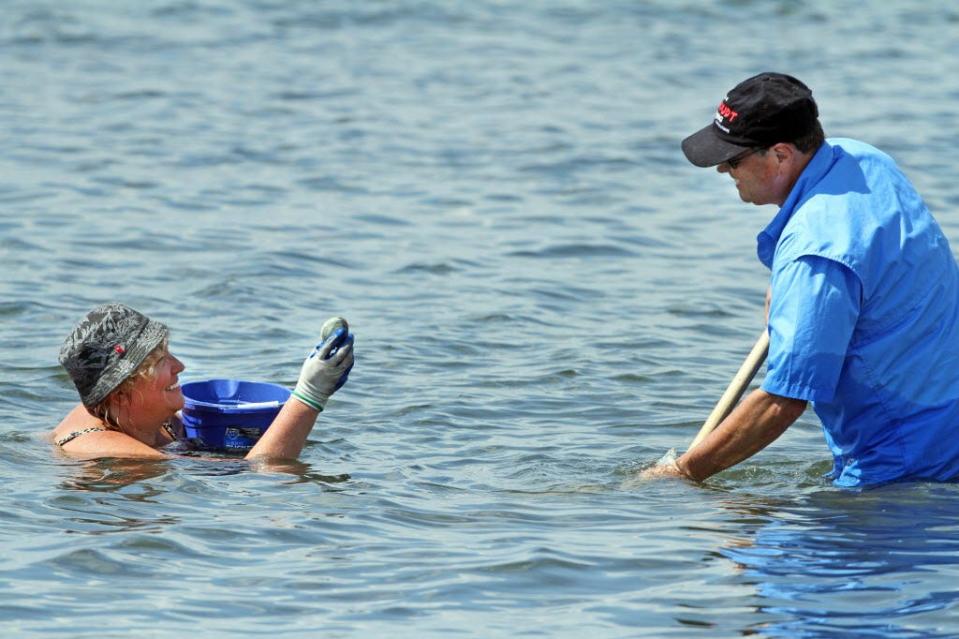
x=229, y=414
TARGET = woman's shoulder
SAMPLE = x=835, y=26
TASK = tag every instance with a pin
x=76, y=420
x=85, y=436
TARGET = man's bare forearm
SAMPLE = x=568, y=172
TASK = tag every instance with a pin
x=754, y=424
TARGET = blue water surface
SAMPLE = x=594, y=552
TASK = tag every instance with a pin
x=546, y=298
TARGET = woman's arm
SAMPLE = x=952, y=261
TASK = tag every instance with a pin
x=285, y=437
x=322, y=374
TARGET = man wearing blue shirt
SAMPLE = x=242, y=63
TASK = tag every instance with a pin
x=863, y=297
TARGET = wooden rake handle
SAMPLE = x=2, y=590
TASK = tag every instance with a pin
x=736, y=388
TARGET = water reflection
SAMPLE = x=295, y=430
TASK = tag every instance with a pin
x=107, y=475
x=300, y=471
x=867, y=564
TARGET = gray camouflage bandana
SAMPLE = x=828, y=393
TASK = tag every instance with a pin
x=106, y=347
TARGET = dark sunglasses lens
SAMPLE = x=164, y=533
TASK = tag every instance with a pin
x=734, y=162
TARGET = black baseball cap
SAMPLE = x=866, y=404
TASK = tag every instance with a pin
x=757, y=113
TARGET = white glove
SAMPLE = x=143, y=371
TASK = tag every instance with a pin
x=322, y=374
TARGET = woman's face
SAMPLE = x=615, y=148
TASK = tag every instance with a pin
x=161, y=393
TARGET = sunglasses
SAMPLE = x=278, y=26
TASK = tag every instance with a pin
x=734, y=162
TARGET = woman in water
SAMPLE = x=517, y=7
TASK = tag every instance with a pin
x=130, y=392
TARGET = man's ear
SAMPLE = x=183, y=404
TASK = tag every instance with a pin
x=783, y=151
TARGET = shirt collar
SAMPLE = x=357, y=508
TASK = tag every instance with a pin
x=818, y=166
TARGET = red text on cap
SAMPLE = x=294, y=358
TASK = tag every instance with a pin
x=724, y=110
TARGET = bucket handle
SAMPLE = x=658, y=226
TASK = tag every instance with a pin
x=236, y=408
